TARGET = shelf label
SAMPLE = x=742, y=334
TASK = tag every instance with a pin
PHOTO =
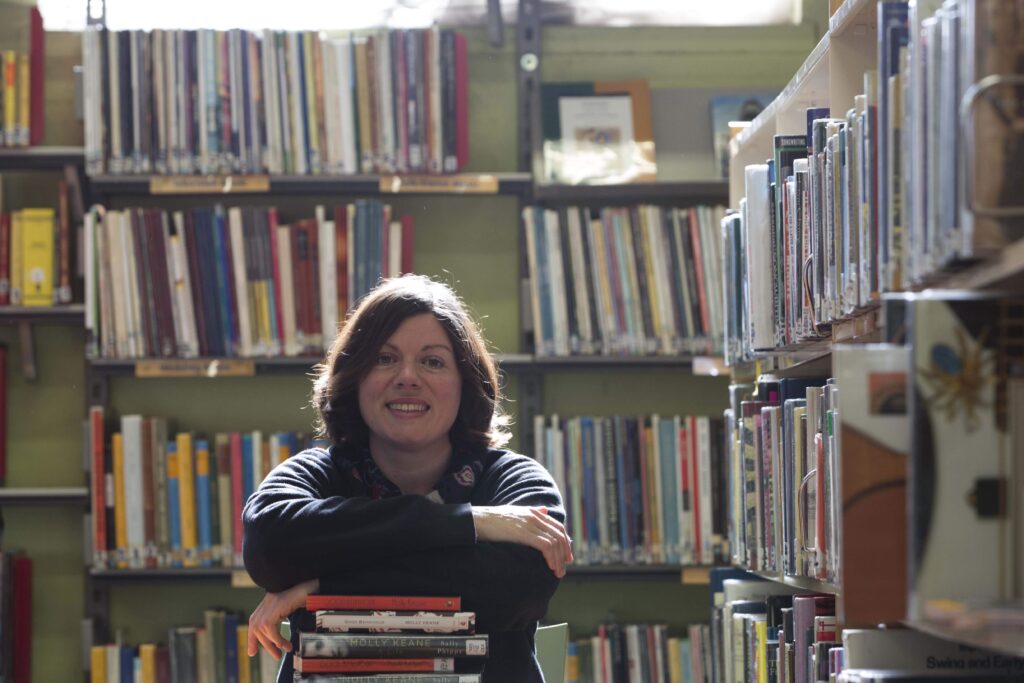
x=183, y=367
x=209, y=184
x=696, y=576
x=465, y=183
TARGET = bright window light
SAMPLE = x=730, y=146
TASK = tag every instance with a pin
x=69, y=15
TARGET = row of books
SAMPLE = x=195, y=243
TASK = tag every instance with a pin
x=641, y=653
x=639, y=280
x=880, y=197
x=36, y=253
x=174, y=500
x=214, y=651
x=766, y=631
x=859, y=479
x=232, y=282
x=397, y=638
x=639, y=489
x=21, y=77
x=15, y=616
x=281, y=102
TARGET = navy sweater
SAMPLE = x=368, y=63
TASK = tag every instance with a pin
x=311, y=518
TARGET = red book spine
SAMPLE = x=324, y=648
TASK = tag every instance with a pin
x=22, y=632
x=461, y=100
x=408, y=239
x=63, y=293
x=36, y=54
x=313, y=284
x=645, y=483
x=5, y=258
x=384, y=665
x=236, y=493
x=99, y=486
x=383, y=602
x=276, y=274
x=341, y=255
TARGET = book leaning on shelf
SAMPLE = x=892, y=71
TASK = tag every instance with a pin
x=235, y=282
x=161, y=499
x=639, y=490
x=399, y=639
x=624, y=281
x=280, y=102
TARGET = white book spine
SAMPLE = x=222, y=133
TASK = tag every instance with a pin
x=328, y=277
x=284, y=257
x=242, y=303
x=131, y=431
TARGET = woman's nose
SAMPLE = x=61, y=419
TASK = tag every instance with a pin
x=407, y=374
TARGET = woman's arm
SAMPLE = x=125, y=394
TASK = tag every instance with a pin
x=300, y=526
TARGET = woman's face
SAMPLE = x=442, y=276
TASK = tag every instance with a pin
x=411, y=395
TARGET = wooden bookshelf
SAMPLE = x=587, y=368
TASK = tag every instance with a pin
x=301, y=185
x=801, y=582
x=682, y=193
x=25, y=495
x=40, y=158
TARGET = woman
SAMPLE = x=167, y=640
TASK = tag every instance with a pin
x=414, y=496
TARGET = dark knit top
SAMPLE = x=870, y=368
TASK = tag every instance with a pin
x=332, y=515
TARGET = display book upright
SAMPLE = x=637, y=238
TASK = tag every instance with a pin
x=917, y=437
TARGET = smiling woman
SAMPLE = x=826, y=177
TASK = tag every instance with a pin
x=415, y=495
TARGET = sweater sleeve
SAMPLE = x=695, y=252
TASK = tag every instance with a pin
x=507, y=585
x=299, y=525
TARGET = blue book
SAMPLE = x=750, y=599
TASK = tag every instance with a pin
x=302, y=94
x=173, y=504
x=203, y=507
x=206, y=245
x=128, y=664
x=588, y=515
x=544, y=289
x=225, y=285
x=814, y=113
x=231, y=653
x=668, y=452
x=893, y=33
x=616, y=455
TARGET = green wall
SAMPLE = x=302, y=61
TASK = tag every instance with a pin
x=469, y=242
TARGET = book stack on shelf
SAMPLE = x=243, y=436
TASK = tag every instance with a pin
x=639, y=490
x=621, y=653
x=234, y=282
x=214, y=651
x=176, y=499
x=296, y=103
x=364, y=639
x=624, y=281
x=22, y=42
x=37, y=251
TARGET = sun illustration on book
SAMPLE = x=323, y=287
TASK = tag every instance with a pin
x=957, y=377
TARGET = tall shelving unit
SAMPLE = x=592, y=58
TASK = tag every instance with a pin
x=831, y=76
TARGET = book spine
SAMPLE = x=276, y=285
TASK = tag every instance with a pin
x=435, y=622
x=383, y=602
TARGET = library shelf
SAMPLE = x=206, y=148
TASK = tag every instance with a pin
x=164, y=573
x=40, y=158
x=1003, y=270
x=625, y=572
x=802, y=582
x=71, y=314
x=853, y=13
x=998, y=629
x=666, y=192
x=364, y=185
x=44, y=495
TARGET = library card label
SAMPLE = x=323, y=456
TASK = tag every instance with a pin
x=477, y=647
x=209, y=184
x=467, y=183
x=219, y=367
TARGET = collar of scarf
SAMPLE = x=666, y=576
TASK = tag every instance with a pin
x=455, y=486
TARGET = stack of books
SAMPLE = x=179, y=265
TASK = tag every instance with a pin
x=396, y=639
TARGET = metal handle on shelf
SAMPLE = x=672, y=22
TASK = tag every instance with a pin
x=967, y=104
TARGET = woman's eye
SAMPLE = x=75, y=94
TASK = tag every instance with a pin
x=385, y=358
x=433, y=362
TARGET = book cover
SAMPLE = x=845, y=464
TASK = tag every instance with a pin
x=343, y=645
x=382, y=665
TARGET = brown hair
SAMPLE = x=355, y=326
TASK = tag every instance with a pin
x=479, y=422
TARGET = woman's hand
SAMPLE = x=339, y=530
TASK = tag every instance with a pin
x=530, y=526
x=265, y=622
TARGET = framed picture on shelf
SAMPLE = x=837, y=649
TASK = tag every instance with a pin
x=727, y=111
x=597, y=132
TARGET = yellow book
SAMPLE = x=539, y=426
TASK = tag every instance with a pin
x=10, y=96
x=15, y=265
x=120, y=519
x=761, y=641
x=147, y=661
x=310, y=48
x=675, y=664
x=37, y=256
x=23, y=100
x=98, y=664
x=243, y=656
x=187, y=499
x=363, y=107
